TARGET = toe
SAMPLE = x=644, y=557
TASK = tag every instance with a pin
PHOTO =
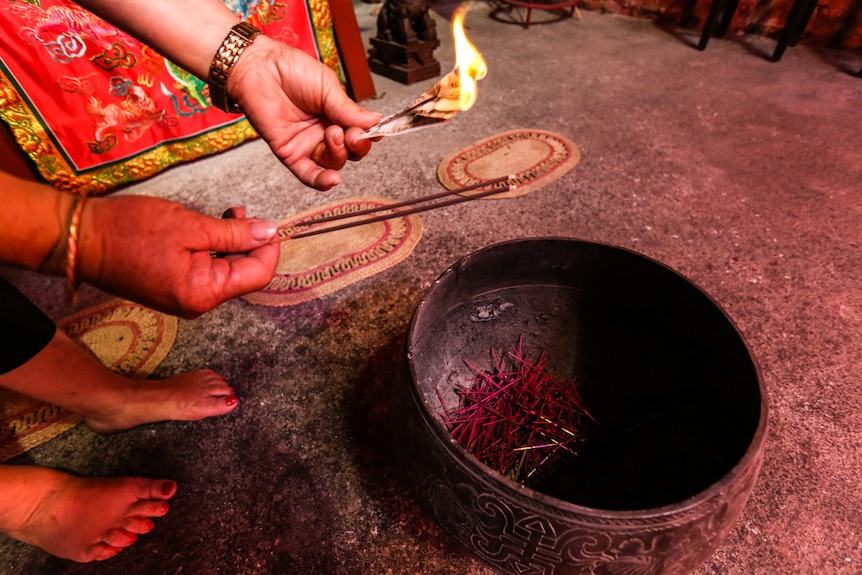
x=152, y=508
x=210, y=375
x=214, y=405
x=157, y=490
x=119, y=538
x=139, y=525
x=103, y=551
x=167, y=489
x=217, y=386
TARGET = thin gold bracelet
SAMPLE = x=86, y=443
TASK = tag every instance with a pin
x=237, y=40
x=72, y=284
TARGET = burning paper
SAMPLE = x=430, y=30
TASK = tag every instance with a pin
x=453, y=93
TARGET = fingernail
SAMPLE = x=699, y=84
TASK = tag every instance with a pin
x=262, y=230
x=167, y=487
x=230, y=401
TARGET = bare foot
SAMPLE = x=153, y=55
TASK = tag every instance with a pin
x=186, y=397
x=78, y=518
x=64, y=374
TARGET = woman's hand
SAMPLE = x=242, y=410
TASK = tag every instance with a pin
x=161, y=254
x=299, y=107
x=292, y=100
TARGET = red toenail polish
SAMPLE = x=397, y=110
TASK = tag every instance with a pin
x=230, y=401
x=167, y=488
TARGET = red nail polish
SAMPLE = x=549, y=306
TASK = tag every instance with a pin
x=167, y=487
x=230, y=400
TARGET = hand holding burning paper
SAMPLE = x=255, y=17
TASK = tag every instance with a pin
x=454, y=92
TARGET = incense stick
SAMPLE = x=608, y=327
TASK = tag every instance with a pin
x=519, y=418
x=397, y=214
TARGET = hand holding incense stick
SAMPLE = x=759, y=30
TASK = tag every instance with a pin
x=495, y=186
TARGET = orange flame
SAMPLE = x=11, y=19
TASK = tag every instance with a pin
x=469, y=63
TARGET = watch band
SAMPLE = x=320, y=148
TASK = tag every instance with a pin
x=239, y=37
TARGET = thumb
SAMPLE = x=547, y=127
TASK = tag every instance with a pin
x=241, y=235
x=341, y=110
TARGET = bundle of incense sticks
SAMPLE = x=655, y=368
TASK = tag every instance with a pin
x=457, y=196
x=518, y=418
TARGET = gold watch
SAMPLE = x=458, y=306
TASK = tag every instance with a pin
x=238, y=39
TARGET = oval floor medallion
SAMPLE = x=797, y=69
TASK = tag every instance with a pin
x=315, y=266
x=126, y=337
x=535, y=157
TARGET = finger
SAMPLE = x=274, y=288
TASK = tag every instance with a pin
x=357, y=146
x=318, y=151
x=212, y=281
x=342, y=110
x=311, y=174
x=264, y=256
x=236, y=212
x=250, y=273
x=333, y=153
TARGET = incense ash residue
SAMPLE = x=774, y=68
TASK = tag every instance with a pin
x=489, y=311
x=518, y=418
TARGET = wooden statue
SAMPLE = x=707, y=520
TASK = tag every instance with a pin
x=406, y=39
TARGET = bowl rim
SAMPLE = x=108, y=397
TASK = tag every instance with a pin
x=751, y=456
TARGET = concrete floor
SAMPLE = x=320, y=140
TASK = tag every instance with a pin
x=741, y=174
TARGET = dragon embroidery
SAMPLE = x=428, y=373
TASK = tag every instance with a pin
x=55, y=23
x=130, y=118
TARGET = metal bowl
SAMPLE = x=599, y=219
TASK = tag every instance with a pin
x=676, y=393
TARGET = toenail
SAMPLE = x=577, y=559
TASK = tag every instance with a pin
x=230, y=400
x=167, y=487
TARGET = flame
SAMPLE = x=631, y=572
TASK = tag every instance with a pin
x=469, y=64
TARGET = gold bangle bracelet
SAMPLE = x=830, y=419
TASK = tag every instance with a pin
x=72, y=284
x=237, y=40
